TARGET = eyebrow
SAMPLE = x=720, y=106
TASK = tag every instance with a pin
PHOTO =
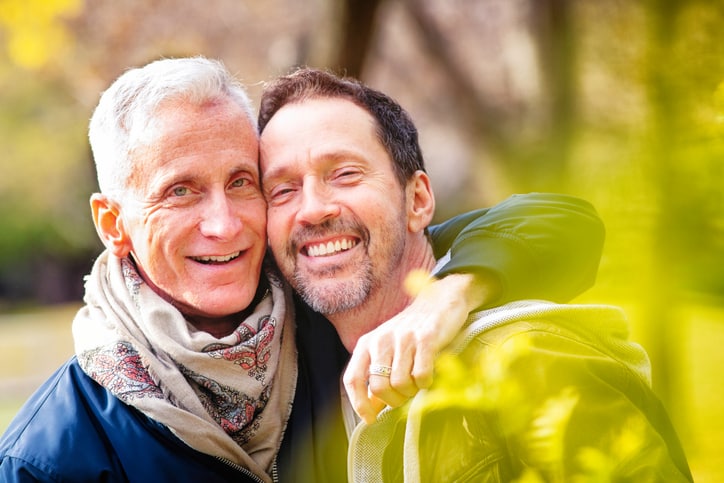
x=190, y=176
x=279, y=172
x=330, y=156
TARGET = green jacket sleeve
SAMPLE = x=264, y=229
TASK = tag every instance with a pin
x=539, y=245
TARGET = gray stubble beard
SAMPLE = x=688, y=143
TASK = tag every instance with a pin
x=327, y=297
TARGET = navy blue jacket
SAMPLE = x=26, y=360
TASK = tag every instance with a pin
x=87, y=434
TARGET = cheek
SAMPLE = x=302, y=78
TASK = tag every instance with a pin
x=279, y=230
x=161, y=233
x=277, y=225
x=257, y=218
x=384, y=220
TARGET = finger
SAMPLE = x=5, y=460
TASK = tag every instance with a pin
x=355, y=383
x=376, y=405
x=422, y=370
x=402, y=380
x=380, y=390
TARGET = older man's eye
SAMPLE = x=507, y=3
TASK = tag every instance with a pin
x=180, y=191
x=238, y=183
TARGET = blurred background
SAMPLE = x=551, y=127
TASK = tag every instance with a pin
x=619, y=102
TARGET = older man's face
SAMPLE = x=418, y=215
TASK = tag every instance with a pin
x=197, y=220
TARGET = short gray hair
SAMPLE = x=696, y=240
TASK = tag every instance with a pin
x=125, y=112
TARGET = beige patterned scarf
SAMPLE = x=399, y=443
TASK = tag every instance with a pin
x=227, y=397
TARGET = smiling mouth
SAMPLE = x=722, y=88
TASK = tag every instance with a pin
x=216, y=260
x=330, y=248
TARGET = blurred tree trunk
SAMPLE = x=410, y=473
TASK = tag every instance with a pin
x=358, y=25
x=660, y=307
x=552, y=23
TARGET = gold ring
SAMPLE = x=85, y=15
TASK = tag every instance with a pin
x=379, y=370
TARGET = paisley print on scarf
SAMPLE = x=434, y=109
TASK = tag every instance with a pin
x=119, y=368
x=132, y=278
x=251, y=349
x=233, y=410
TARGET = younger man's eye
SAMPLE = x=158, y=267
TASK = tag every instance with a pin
x=348, y=174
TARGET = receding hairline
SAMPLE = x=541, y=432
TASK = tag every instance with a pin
x=130, y=105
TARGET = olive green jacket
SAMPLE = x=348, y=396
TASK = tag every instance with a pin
x=530, y=389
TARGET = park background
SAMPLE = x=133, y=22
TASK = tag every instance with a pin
x=620, y=102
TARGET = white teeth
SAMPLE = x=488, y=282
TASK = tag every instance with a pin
x=221, y=259
x=330, y=248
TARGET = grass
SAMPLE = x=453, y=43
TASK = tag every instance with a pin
x=34, y=343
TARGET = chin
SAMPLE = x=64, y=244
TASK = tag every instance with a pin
x=221, y=303
x=236, y=301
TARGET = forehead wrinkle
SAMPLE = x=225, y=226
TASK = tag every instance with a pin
x=280, y=136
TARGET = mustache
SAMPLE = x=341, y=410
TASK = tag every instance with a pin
x=301, y=234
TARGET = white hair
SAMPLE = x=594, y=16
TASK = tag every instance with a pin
x=125, y=113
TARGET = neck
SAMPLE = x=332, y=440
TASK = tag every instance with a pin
x=384, y=302
x=220, y=327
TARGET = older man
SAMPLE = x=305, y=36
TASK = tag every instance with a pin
x=536, y=390
x=185, y=366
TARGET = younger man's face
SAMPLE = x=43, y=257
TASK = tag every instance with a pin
x=336, y=212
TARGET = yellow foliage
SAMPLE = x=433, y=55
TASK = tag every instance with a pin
x=545, y=438
x=494, y=389
x=543, y=427
x=34, y=29
x=417, y=281
x=530, y=476
x=718, y=102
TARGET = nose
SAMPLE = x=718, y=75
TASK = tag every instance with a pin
x=220, y=218
x=317, y=204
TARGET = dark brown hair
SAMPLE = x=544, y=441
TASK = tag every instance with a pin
x=395, y=128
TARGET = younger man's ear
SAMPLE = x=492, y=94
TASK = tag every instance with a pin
x=420, y=202
x=109, y=225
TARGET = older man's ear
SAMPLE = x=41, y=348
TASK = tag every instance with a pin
x=109, y=225
x=420, y=202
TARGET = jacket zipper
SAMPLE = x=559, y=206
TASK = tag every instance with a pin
x=247, y=471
